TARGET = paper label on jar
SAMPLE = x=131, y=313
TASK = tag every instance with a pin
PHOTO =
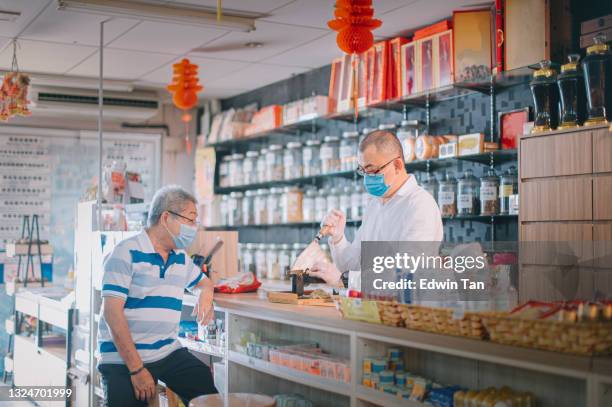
x=505, y=190
x=346, y=152
x=288, y=161
x=488, y=193
x=270, y=159
x=326, y=153
x=464, y=201
x=247, y=166
x=446, y=198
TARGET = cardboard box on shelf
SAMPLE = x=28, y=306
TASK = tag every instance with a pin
x=471, y=144
x=409, y=71
x=334, y=85
x=395, y=67
x=377, y=72
x=443, y=59
x=472, y=44
x=267, y=118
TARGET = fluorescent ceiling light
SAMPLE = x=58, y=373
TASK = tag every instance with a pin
x=163, y=12
x=9, y=16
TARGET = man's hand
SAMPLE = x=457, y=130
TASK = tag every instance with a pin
x=327, y=272
x=144, y=385
x=333, y=225
x=204, y=310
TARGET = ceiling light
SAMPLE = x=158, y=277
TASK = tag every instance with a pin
x=163, y=12
x=254, y=44
x=9, y=16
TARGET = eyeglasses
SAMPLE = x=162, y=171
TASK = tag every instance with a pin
x=193, y=222
x=362, y=171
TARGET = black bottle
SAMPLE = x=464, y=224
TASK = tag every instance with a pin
x=572, y=93
x=597, y=67
x=545, y=98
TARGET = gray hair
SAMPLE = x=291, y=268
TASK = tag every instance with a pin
x=169, y=198
x=384, y=141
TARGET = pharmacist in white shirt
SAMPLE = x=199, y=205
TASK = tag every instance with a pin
x=399, y=209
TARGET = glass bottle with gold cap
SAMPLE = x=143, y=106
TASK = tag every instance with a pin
x=545, y=98
x=597, y=67
x=571, y=90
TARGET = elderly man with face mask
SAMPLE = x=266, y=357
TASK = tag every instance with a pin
x=142, y=293
x=399, y=209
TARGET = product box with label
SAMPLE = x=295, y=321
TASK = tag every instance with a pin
x=471, y=144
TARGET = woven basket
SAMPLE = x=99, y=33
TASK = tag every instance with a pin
x=390, y=313
x=579, y=338
x=443, y=321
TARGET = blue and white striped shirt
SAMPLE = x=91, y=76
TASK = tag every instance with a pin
x=153, y=294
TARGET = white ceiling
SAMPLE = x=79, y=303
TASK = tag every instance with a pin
x=294, y=34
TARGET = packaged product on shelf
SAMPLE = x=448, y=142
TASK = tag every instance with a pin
x=273, y=202
x=311, y=159
x=249, y=168
x=508, y=186
x=291, y=205
x=262, y=166
x=426, y=147
x=261, y=209
x=468, y=194
x=313, y=107
x=471, y=144
x=235, y=170
x=291, y=112
x=489, y=186
x=330, y=155
x=447, y=196
x=291, y=400
x=274, y=163
x=308, y=205
x=514, y=204
x=292, y=161
x=235, y=209
x=448, y=150
x=349, y=147
x=248, y=207
x=267, y=118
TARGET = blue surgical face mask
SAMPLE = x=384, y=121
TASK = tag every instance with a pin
x=375, y=184
x=185, y=237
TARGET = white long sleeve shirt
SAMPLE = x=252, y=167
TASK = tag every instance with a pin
x=411, y=215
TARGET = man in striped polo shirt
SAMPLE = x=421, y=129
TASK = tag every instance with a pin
x=142, y=290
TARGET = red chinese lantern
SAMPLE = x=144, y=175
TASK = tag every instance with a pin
x=354, y=23
x=184, y=88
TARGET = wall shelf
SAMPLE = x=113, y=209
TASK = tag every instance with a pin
x=381, y=398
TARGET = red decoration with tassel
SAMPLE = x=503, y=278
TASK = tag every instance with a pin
x=184, y=88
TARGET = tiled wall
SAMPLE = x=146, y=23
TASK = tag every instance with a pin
x=461, y=115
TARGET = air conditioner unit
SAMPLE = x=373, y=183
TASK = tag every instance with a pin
x=83, y=103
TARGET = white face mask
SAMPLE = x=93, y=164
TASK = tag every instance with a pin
x=185, y=237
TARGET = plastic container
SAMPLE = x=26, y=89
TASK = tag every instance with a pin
x=349, y=148
x=292, y=161
x=291, y=205
x=248, y=207
x=273, y=203
x=249, y=167
x=508, y=186
x=321, y=205
x=431, y=185
x=235, y=170
x=273, y=267
x=234, y=214
x=330, y=155
x=468, y=194
x=260, y=205
x=274, y=163
x=489, y=187
x=311, y=158
x=308, y=206
x=262, y=166
x=224, y=171
x=447, y=195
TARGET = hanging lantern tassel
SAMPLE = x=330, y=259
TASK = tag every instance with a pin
x=186, y=118
x=355, y=84
x=218, y=10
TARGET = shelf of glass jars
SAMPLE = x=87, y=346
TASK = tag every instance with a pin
x=472, y=218
x=493, y=157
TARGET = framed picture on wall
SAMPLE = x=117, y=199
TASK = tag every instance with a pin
x=334, y=85
x=510, y=125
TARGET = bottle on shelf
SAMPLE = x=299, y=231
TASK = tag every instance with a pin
x=292, y=161
x=308, y=205
x=291, y=205
x=447, y=193
x=430, y=184
x=330, y=155
x=321, y=205
x=273, y=201
x=311, y=158
x=489, y=186
x=234, y=217
x=249, y=168
x=345, y=201
x=349, y=148
x=261, y=210
x=261, y=268
x=262, y=166
x=274, y=163
x=468, y=194
x=248, y=207
x=508, y=186
x=273, y=267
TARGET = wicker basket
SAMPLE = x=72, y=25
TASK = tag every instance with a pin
x=580, y=338
x=443, y=321
x=390, y=313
